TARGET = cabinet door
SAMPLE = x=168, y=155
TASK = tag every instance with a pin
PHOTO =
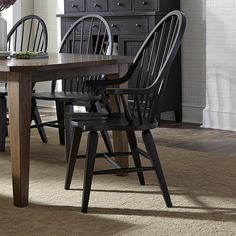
x=130, y=44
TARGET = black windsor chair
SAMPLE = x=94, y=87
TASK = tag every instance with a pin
x=90, y=34
x=28, y=34
x=152, y=62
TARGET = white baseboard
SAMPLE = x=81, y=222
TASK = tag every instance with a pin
x=219, y=119
x=192, y=113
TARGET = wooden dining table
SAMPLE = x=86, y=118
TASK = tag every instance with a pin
x=20, y=74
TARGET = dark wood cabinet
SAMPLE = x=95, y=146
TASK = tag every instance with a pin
x=130, y=22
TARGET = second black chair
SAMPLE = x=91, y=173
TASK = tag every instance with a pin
x=90, y=34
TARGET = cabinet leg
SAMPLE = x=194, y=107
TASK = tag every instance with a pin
x=178, y=115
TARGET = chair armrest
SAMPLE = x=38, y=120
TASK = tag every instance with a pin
x=105, y=82
x=133, y=91
x=83, y=115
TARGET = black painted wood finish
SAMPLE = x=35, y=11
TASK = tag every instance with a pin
x=88, y=35
x=130, y=22
x=151, y=64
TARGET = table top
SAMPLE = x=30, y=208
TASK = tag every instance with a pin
x=61, y=61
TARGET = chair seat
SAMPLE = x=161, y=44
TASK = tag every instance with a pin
x=101, y=122
x=67, y=96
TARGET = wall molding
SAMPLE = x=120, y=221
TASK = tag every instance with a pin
x=216, y=119
x=191, y=114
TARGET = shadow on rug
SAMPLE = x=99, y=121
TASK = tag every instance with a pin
x=202, y=188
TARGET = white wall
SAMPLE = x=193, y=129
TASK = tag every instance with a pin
x=47, y=10
x=194, y=61
x=220, y=111
x=22, y=8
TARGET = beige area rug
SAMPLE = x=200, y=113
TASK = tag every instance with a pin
x=202, y=187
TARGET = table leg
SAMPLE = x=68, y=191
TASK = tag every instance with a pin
x=120, y=141
x=20, y=93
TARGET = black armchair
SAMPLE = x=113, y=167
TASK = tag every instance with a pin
x=152, y=64
x=90, y=34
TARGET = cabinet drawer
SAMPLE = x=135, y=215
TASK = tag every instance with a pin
x=120, y=5
x=145, y=5
x=86, y=26
x=96, y=5
x=135, y=25
x=74, y=6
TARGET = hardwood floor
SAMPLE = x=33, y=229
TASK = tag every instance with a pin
x=186, y=136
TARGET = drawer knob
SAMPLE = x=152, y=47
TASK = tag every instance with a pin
x=93, y=25
x=144, y=3
x=119, y=4
x=137, y=25
x=74, y=6
x=96, y=5
x=113, y=25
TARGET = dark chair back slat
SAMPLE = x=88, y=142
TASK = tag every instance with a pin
x=36, y=35
x=22, y=37
x=30, y=33
x=151, y=66
x=150, y=69
x=88, y=35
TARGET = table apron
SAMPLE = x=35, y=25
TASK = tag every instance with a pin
x=72, y=73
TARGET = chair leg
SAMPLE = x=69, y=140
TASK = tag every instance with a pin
x=107, y=140
x=178, y=114
x=3, y=123
x=133, y=145
x=105, y=134
x=68, y=109
x=60, y=120
x=151, y=149
x=76, y=137
x=37, y=120
x=89, y=166
x=68, y=137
